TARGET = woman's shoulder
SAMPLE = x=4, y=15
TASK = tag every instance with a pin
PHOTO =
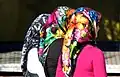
x=93, y=49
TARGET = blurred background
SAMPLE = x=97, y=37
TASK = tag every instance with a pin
x=17, y=15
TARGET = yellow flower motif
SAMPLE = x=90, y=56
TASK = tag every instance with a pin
x=78, y=17
x=65, y=68
x=80, y=26
x=59, y=34
x=41, y=34
x=83, y=33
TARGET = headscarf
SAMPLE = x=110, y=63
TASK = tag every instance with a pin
x=54, y=28
x=31, y=39
x=45, y=29
x=75, y=36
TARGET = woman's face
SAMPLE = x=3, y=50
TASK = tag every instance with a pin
x=81, y=27
x=81, y=22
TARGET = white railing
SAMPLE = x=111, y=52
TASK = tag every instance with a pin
x=16, y=68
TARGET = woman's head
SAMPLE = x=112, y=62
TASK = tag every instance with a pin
x=94, y=18
x=84, y=22
x=55, y=26
x=57, y=19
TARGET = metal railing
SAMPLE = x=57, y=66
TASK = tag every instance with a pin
x=10, y=54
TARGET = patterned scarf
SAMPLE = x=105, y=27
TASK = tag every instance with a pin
x=45, y=29
x=54, y=28
x=78, y=34
x=31, y=39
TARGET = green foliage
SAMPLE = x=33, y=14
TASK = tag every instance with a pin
x=112, y=29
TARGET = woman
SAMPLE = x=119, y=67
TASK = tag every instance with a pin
x=30, y=64
x=56, y=29
x=39, y=41
x=80, y=57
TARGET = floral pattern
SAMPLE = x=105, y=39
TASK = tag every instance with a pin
x=75, y=26
x=79, y=31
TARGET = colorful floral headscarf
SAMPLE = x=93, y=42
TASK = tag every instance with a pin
x=54, y=28
x=74, y=35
